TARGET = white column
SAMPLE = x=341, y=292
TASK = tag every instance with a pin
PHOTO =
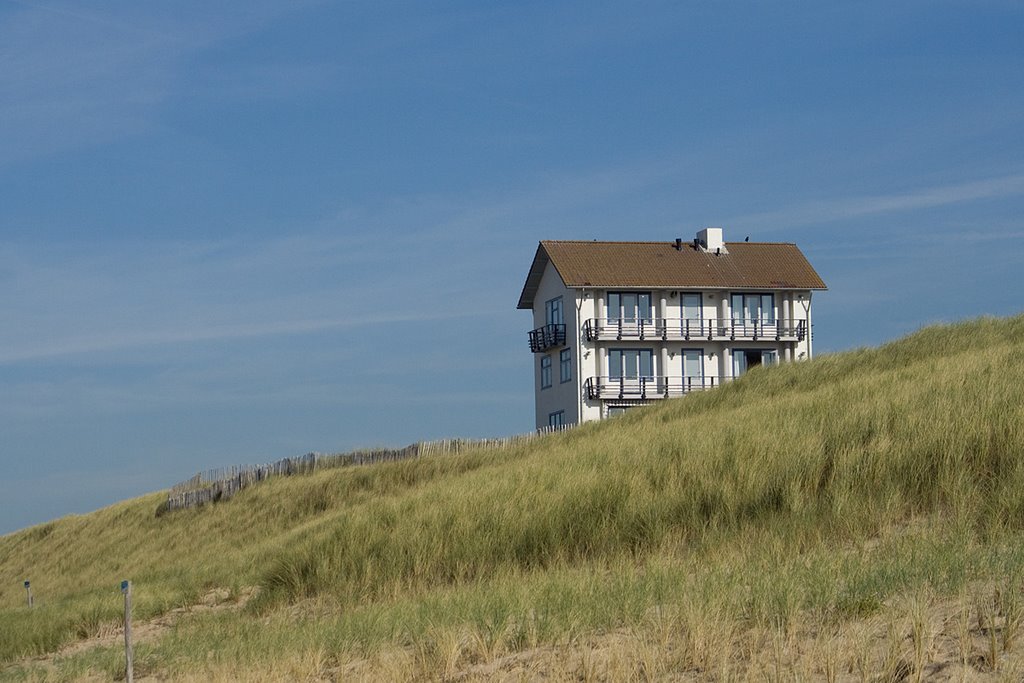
x=725, y=363
x=663, y=370
x=787, y=311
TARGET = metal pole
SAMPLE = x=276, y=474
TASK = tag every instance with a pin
x=126, y=588
x=28, y=590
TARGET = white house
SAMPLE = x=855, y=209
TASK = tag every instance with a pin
x=622, y=324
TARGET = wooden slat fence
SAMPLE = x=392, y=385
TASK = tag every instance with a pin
x=213, y=485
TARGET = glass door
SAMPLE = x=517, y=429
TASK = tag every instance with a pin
x=693, y=369
x=632, y=370
x=753, y=314
x=630, y=313
x=739, y=362
x=693, y=316
x=744, y=359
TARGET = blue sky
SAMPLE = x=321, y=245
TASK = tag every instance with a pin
x=233, y=232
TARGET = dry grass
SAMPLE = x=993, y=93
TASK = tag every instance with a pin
x=854, y=517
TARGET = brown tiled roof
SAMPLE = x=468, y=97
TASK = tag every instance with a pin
x=659, y=265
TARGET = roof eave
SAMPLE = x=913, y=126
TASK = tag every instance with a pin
x=540, y=262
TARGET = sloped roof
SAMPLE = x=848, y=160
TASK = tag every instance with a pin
x=659, y=265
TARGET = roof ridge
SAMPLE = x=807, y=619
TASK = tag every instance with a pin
x=670, y=243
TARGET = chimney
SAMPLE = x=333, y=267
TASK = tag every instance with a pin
x=711, y=240
x=679, y=244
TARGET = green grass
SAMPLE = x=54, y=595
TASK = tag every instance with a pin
x=807, y=493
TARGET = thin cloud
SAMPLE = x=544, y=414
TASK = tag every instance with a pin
x=80, y=299
x=128, y=340
x=854, y=207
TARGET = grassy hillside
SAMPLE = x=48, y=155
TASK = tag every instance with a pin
x=771, y=525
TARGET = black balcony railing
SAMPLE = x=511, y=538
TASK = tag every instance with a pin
x=643, y=388
x=547, y=337
x=685, y=329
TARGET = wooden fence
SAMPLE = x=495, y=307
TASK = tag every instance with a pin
x=210, y=486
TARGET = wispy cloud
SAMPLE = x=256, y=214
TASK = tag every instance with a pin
x=813, y=213
x=122, y=340
x=117, y=297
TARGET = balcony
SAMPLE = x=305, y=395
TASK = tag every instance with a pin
x=645, y=388
x=686, y=329
x=547, y=337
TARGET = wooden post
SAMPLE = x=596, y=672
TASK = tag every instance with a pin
x=126, y=588
x=28, y=590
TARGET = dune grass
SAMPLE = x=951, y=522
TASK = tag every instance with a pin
x=802, y=498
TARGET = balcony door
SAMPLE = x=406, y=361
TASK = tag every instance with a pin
x=693, y=369
x=631, y=370
x=692, y=324
x=752, y=314
x=630, y=313
x=744, y=359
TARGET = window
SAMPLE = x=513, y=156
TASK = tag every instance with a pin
x=556, y=420
x=565, y=365
x=750, y=308
x=630, y=363
x=553, y=312
x=545, y=372
x=629, y=306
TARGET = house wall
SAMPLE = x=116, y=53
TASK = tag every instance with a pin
x=590, y=359
x=560, y=395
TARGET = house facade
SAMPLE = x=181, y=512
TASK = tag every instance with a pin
x=622, y=324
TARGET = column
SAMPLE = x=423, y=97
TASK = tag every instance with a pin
x=663, y=369
x=662, y=313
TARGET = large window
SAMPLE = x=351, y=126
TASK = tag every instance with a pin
x=545, y=372
x=553, y=312
x=630, y=363
x=748, y=309
x=629, y=306
x=565, y=365
x=556, y=420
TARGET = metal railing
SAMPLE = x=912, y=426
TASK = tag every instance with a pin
x=686, y=329
x=547, y=337
x=652, y=387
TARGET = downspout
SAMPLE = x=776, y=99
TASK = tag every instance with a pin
x=579, y=357
x=807, y=312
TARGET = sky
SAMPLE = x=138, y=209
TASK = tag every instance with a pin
x=234, y=232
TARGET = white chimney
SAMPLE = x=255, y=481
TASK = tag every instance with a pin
x=711, y=240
